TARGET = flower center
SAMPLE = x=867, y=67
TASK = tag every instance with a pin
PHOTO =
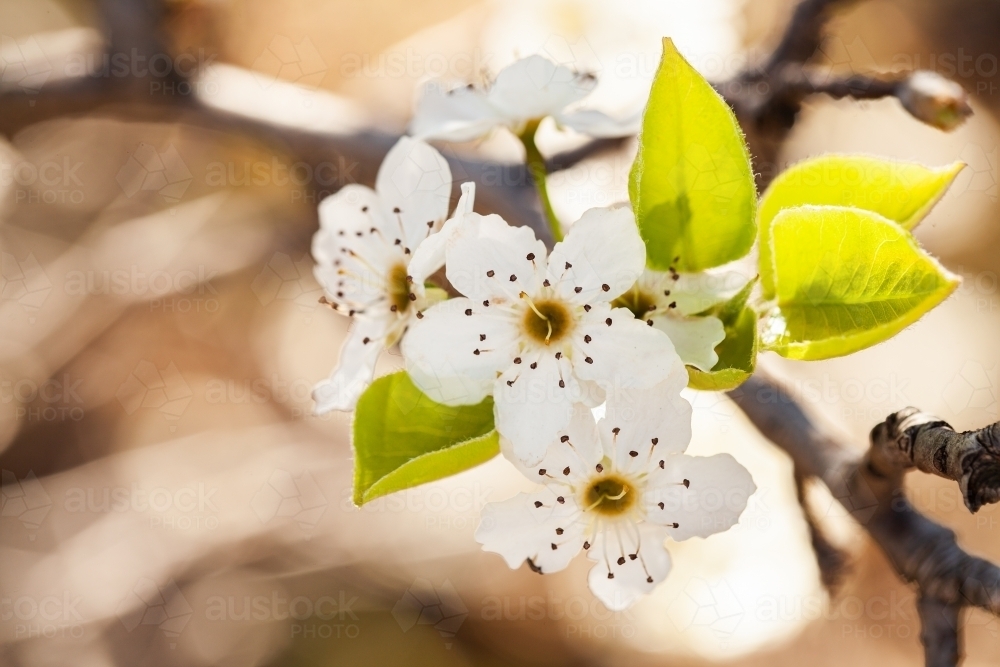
x=610, y=496
x=547, y=321
x=399, y=288
x=640, y=303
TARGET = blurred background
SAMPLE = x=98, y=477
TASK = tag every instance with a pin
x=168, y=499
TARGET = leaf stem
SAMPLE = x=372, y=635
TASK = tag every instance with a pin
x=536, y=167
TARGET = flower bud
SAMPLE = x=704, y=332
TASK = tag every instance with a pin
x=935, y=100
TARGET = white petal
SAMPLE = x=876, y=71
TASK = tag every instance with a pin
x=696, y=292
x=716, y=494
x=350, y=208
x=430, y=255
x=461, y=114
x=440, y=351
x=488, y=260
x=625, y=354
x=535, y=87
x=603, y=249
x=415, y=180
x=641, y=416
x=518, y=530
x=354, y=371
x=352, y=267
x=633, y=577
x=531, y=408
x=597, y=124
x=571, y=461
x=694, y=338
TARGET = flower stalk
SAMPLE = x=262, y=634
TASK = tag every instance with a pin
x=536, y=167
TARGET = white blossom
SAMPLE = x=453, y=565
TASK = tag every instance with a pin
x=674, y=303
x=617, y=489
x=536, y=332
x=363, y=251
x=526, y=91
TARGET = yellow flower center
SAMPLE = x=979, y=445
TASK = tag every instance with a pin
x=640, y=303
x=399, y=288
x=610, y=495
x=547, y=321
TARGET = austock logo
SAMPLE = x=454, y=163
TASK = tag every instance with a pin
x=298, y=498
x=973, y=387
x=23, y=281
x=285, y=279
x=24, y=499
x=23, y=65
x=163, y=389
x=149, y=604
x=425, y=604
x=283, y=59
x=712, y=607
x=148, y=170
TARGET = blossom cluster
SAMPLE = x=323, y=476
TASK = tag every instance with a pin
x=550, y=335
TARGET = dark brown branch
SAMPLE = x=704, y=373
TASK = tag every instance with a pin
x=910, y=438
x=870, y=488
x=804, y=33
x=939, y=632
x=833, y=562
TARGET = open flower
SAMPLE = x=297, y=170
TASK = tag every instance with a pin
x=673, y=303
x=363, y=250
x=538, y=333
x=617, y=489
x=526, y=91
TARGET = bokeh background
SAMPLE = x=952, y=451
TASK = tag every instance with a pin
x=168, y=499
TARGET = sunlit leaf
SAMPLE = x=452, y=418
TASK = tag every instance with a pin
x=403, y=439
x=846, y=279
x=691, y=184
x=903, y=192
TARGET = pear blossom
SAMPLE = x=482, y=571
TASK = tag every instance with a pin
x=617, y=489
x=537, y=331
x=524, y=92
x=363, y=250
x=675, y=302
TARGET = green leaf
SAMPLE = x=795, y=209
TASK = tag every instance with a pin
x=903, y=192
x=737, y=352
x=691, y=184
x=729, y=311
x=846, y=279
x=402, y=438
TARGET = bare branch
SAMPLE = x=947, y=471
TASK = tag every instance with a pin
x=910, y=438
x=804, y=33
x=938, y=632
x=871, y=489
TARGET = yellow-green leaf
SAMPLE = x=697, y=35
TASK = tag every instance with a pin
x=737, y=354
x=402, y=438
x=846, y=279
x=903, y=192
x=691, y=184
